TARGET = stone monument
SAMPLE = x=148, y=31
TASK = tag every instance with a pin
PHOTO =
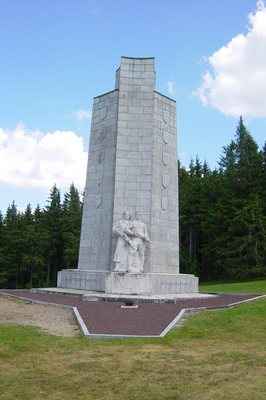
x=129, y=237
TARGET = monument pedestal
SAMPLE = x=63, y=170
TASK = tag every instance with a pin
x=150, y=283
x=128, y=283
x=82, y=279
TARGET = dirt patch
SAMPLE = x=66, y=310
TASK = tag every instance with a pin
x=51, y=319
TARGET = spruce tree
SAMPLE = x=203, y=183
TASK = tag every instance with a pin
x=12, y=246
x=71, y=226
x=54, y=245
x=3, y=270
x=249, y=162
x=41, y=237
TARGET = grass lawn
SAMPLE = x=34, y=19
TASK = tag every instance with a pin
x=256, y=286
x=217, y=355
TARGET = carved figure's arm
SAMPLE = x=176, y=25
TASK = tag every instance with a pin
x=117, y=230
x=146, y=235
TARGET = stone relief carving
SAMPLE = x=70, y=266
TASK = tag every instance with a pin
x=165, y=137
x=101, y=157
x=98, y=201
x=164, y=201
x=132, y=239
x=165, y=181
x=165, y=159
x=99, y=135
x=165, y=156
x=103, y=112
x=165, y=176
x=99, y=188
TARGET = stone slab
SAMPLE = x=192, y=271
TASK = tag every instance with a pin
x=99, y=296
x=150, y=283
x=81, y=279
x=57, y=290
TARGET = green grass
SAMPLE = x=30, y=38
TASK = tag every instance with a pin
x=256, y=286
x=217, y=355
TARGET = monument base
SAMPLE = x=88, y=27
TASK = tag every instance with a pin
x=127, y=283
x=150, y=283
x=82, y=279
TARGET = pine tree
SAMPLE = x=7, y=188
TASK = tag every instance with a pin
x=249, y=161
x=41, y=237
x=205, y=169
x=228, y=159
x=54, y=245
x=187, y=260
x=3, y=271
x=28, y=247
x=71, y=227
x=262, y=190
x=33, y=257
x=190, y=215
x=12, y=246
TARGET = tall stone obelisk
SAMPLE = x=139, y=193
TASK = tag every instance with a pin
x=132, y=168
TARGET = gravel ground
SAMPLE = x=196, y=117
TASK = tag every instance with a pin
x=51, y=319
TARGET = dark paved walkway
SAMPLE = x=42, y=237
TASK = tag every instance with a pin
x=109, y=318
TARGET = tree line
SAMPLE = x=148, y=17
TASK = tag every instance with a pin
x=223, y=212
x=222, y=223
x=36, y=244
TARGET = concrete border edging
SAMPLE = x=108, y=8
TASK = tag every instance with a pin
x=80, y=322
x=175, y=321
x=246, y=301
x=184, y=311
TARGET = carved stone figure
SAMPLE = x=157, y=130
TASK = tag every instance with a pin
x=132, y=237
x=122, y=230
x=139, y=240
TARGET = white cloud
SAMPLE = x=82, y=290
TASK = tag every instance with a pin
x=171, y=87
x=82, y=114
x=38, y=159
x=235, y=83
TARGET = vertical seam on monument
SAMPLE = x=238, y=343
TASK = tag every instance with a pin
x=177, y=192
x=114, y=171
x=152, y=180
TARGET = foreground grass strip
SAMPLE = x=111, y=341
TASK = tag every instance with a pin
x=217, y=354
x=256, y=286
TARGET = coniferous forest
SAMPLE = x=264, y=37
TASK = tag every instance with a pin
x=222, y=223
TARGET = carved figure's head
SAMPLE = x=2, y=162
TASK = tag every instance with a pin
x=126, y=215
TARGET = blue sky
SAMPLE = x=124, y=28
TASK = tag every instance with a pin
x=56, y=55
